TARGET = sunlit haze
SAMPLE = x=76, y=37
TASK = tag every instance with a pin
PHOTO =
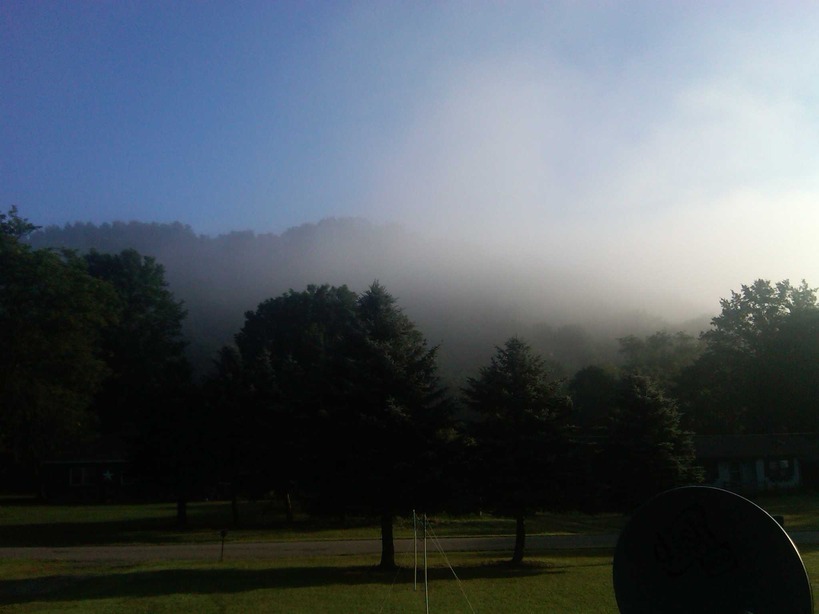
x=663, y=153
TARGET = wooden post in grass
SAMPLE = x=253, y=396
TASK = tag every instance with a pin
x=223, y=534
x=520, y=538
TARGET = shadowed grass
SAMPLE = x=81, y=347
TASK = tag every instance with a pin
x=801, y=511
x=23, y=522
x=568, y=583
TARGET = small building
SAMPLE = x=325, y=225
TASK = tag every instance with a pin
x=758, y=463
x=98, y=472
x=85, y=480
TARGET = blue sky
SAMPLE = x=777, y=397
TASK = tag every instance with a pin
x=675, y=143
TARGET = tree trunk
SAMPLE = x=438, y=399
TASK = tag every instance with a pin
x=387, y=543
x=288, y=507
x=181, y=512
x=234, y=505
x=520, y=539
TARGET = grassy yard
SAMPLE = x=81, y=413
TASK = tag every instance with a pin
x=24, y=522
x=801, y=511
x=558, y=582
x=579, y=582
x=567, y=582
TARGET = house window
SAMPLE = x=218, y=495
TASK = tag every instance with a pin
x=779, y=470
x=79, y=476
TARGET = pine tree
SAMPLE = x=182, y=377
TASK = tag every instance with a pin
x=647, y=451
x=521, y=436
x=399, y=419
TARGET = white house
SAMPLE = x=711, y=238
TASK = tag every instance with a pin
x=758, y=463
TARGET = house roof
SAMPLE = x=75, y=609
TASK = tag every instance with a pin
x=800, y=445
x=102, y=449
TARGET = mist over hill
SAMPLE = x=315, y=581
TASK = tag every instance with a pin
x=463, y=297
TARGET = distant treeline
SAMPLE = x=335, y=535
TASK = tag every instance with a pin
x=335, y=396
x=750, y=370
x=463, y=299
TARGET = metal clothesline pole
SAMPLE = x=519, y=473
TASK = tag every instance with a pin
x=415, y=547
x=426, y=578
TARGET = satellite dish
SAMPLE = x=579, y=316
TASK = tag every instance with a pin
x=706, y=550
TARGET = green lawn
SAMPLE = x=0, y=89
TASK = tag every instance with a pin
x=24, y=522
x=579, y=582
x=801, y=511
x=564, y=583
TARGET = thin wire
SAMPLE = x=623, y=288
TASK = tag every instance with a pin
x=389, y=592
x=437, y=543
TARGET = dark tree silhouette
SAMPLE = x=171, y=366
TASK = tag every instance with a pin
x=758, y=373
x=347, y=399
x=52, y=316
x=646, y=451
x=592, y=392
x=521, y=436
x=397, y=419
x=146, y=401
x=145, y=349
x=289, y=374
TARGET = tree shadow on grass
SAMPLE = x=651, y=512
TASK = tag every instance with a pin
x=151, y=528
x=157, y=583
x=84, y=533
x=148, y=530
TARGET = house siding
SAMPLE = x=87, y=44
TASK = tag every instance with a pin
x=758, y=463
x=91, y=481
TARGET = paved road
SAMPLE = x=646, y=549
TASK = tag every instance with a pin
x=286, y=549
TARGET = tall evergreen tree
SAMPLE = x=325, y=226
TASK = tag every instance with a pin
x=592, y=392
x=646, y=450
x=521, y=436
x=397, y=420
x=348, y=401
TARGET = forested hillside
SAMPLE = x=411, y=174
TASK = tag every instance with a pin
x=302, y=385
x=463, y=299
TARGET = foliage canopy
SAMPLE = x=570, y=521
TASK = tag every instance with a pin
x=344, y=391
x=521, y=439
x=52, y=317
x=646, y=450
x=759, y=371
